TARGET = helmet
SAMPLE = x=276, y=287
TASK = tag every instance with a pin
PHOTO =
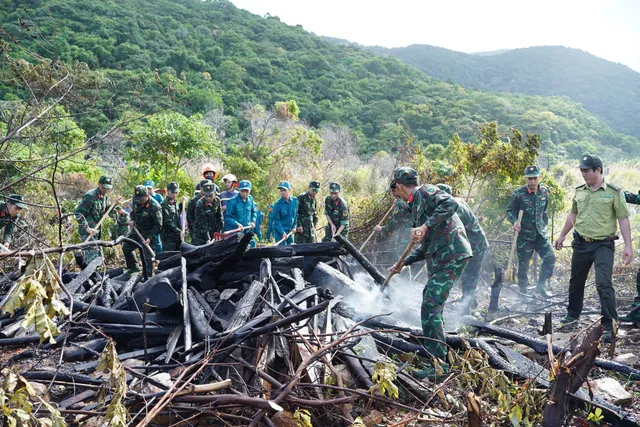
x=208, y=167
x=230, y=177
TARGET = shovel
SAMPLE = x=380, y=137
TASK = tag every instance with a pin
x=399, y=263
x=510, y=271
x=146, y=245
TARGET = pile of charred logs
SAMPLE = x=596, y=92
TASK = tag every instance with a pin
x=248, y=337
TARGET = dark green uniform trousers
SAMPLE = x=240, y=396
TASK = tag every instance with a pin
x=434, y=296
x=130, y=256
x=526, y=248
x=599, y=254
x=471, y=274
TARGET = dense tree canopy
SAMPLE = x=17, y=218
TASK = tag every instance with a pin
x=194, y=56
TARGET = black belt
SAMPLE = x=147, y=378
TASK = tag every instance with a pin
x=590, y=240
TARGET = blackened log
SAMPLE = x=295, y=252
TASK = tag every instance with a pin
x=84, y=275
x=200, y=255
x=84, y=351
x=106, y=295
x=111, y=273
x=122, y=356
x=329, y=278
x=331, y=249
x=134, y=330
x=172, y=342
x=68, y=377
x=158, y=292
x=245, y=306
x=126, y=290
x=540, y=346
x=496, y=287
x=200, y=326
x=362, y=260
x=121, y=316
x=356, y=368
x=167, y=254
x=247, y=271
x=186, y=316
x=214, y=321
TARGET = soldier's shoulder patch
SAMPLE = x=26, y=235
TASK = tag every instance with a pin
x=614, y=186
x=430, y=189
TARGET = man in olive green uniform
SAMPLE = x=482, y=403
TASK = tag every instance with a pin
x=597, y=206
x=400, y=224
x=191, y=211
x=634, y=311
x=147, y=218
x=307, y=214
x=88, y=213
x=208, y=215
x=121, y=222
x=533, y=200
x=171, y=232
x=9, y=212
x=444, y=247
x=479, y=244
x=337, y=212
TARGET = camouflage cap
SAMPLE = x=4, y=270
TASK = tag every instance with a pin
x=244, y=185
x=405, y=175
x=315, y=185
x=208, y=189
x=531, y=171
x=106, y=181
x=149, y=183
x=334, y=187
x=589, y=161
x=140, y=192
x=174, y=187
x=285, y=185
x=17, y=200
x=446, y=188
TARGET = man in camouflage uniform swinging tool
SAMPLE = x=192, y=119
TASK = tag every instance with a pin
x=171, y=232
x=400, y=223
x=479, y=244
x=9, y=212
x=446, y=251
x=307, y=214
x=533, y=200
x=336, y=211
x=147, y=218
x=88, y=213
x=208, y=215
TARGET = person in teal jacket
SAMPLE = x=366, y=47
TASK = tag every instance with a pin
x=285, y=214
x=269, y=235
x=241, y=210
x=259, y=221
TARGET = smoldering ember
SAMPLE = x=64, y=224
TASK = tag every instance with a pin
x=272, y=335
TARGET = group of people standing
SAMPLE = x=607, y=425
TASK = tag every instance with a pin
x=155, y=222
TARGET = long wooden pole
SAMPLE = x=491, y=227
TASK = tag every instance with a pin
x=513, y=248
x=380, y=224
x=146, y=245
x=106, y=214
x=399, y=263
x=285, y=237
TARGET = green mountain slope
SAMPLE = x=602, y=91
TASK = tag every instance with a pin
x=611, y=91
x=219, y=56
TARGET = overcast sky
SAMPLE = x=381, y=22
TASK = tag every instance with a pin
x=608, y=29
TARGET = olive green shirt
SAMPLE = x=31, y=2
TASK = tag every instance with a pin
x=597, y=211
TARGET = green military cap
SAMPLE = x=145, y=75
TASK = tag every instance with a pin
x=174, y=187
x=17, y=199
x=140, y=192
x=106, y=181
x=589, y=161
x=315, y=185
x=208, y=189
x=334, y=187
x=405, y=175
x=531, y=171
x=446, y=188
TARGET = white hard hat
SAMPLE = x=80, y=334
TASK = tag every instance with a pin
x=230, y=177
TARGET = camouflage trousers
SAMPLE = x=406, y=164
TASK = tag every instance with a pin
x=471, y=274
x=129, y=249
x=307, y=236
x=442, y=277
x=526, y=248
x=171, y=243
x=92, y=252
x=328, y=236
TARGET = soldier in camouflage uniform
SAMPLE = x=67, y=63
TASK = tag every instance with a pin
x=191, y=208
x=400, y=223
x=634, y=311
x=121, y=222
x=307, y=214
x=9, y=212
x=337, y=212
x=533, y=200
x=479, y=244
x=444, y=247
x=147, y=218
x=208, y=215
x=171, y=234
x=88, y=213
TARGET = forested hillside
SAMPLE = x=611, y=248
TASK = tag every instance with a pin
x=195, y=56
x=610, y=91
